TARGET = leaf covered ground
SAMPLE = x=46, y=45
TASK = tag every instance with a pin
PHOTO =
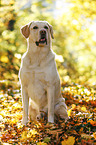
x=79, y=129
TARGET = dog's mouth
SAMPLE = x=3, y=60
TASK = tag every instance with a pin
x=41, y=41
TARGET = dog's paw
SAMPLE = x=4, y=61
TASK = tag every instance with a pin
x=42, y=115
x=38, y=117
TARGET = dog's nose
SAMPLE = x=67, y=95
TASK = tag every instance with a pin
x=43, y=32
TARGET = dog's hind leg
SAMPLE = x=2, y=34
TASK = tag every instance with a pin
x=61, y=109
x=33, y=110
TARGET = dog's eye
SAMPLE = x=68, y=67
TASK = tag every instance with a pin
x=35, y=27
x=45, y=27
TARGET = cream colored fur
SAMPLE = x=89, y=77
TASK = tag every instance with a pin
x=40, y=82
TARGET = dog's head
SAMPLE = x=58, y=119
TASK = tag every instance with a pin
x=38, y=31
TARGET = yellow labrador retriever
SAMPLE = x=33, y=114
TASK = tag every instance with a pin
x=40, y=82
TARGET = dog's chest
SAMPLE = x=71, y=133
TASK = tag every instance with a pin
x=36, y=77
x=37, y=88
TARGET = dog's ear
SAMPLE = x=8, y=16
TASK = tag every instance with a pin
x=51, y=31
x=25, y=31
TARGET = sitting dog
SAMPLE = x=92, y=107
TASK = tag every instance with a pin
x=40, y=82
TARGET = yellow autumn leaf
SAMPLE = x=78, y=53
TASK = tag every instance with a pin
x=94, y=134
x=69, y=112
x=83, y=109
x=6, y=144
x=24, y=135
x=73, y=106
x=69, y=141
x=31, y=132
x=14, y=120
x=16, y=106
x=41, y=143
x=4, y=59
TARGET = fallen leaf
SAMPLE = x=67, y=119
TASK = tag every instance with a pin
x=69, y=141
x=92, y=122
x=69, y=112
x=87, y=136
x=31, y=132
x=24, y=135
x=47, y=139
x=41, y=143
x=94, y=134
x=83, y=109
x=73, y=106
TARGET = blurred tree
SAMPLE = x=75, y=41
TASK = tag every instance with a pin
x=74, y=26
x=77, y=38
x=8, y=40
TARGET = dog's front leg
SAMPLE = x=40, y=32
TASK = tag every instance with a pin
x=51, y=93
x=25, y=103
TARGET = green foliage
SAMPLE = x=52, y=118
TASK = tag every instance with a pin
x=77, y=39
x=74, y=32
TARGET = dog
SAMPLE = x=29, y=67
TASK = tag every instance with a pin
x=40, y=82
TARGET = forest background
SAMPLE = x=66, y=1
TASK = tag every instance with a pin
x=74, y=25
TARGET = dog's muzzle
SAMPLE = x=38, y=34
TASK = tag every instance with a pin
x=42, y=39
